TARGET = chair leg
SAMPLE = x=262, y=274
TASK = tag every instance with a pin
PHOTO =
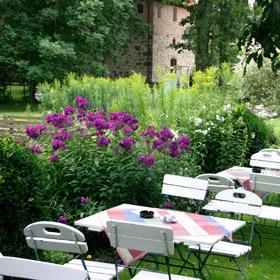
x=168, y=267
x=242, y=273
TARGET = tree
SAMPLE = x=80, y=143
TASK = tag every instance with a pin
x=44, y=40
x=261, y=36
x=215, y=26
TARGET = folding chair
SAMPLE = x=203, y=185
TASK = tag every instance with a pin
x=217, y=183
x=60, y=237
x=268, y=158
x=148, y=238
x=191, y=188
x=30, y=269
x=234, y=201
x=269, y=184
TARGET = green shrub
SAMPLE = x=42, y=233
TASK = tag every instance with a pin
x=259, y=86
x=22, y=186
x=227, y=137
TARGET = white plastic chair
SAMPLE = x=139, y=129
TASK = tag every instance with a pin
x=237, y=201
x=60, y=237
x=187, y=187
x=147, y=238
x=30, y=269
x=267, y=158
x=266, y=183
x=217, y=183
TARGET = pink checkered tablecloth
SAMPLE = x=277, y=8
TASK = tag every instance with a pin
x=188, y=224
x=239, y=174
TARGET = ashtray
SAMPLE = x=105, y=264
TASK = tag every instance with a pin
x=146, y=214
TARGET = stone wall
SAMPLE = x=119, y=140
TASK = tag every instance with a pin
x=137, y=55
x=149, y=52
x=166, y=31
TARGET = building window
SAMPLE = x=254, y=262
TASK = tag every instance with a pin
x=140, y=8
x=159, y=10
x=174, y=13
x=173, y=65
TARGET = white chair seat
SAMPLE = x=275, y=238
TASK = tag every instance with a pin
x=148, y=275
x=270, y=213
x=97, y=270
x=225, y=249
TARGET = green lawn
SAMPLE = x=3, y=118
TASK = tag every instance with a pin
x=263, y=263
x=275, y=123
x=19, y=105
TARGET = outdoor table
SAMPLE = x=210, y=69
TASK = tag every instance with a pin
x=189, y=229
x=241, y=175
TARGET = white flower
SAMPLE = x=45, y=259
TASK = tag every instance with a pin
x=218, y=118
x=204, y=132
x=197, y=121
x=175, y=133
x=227, y=107
x=253, y=135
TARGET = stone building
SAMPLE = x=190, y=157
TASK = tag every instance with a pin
x=152, y=53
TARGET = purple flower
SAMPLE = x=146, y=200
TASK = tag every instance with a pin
x=81, y=114
x=127, y=130
x=68, y=110
x=35, y=149
x=57, y=144
x=91, y=116
x=174, y=149
x=36, y=131
x=148, y=160
x=54, y=158
x=62, y=219
x=112, y=125
x=81, y=102
x=184, y=142
x=165, y=134
x=63, y=135
x=133, y=123
x=158, y=144
x=126, y=143
x=99, y=132
x=150, y=131
x=103, y=141
x=84, y=200
x=168, y=204
x=21, y=141
x=59, y=120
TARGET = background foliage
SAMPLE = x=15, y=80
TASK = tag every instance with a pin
x=261, y=37
x=212, y=29
x=43, y=41
x=22, y=196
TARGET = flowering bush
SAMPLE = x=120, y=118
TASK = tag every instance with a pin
x=104, y=157
x=227, y=137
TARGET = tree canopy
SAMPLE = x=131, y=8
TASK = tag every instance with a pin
x=261, y=36
x=215, y=26
x=43, y=40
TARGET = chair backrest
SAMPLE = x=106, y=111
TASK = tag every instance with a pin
x=264, y=183
x=266, y=159
x=30, y=269
x=184, y=186
x=142, y=237
x=217, y=183
x=239, y=201
x=270, y=150
x=55, y=236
